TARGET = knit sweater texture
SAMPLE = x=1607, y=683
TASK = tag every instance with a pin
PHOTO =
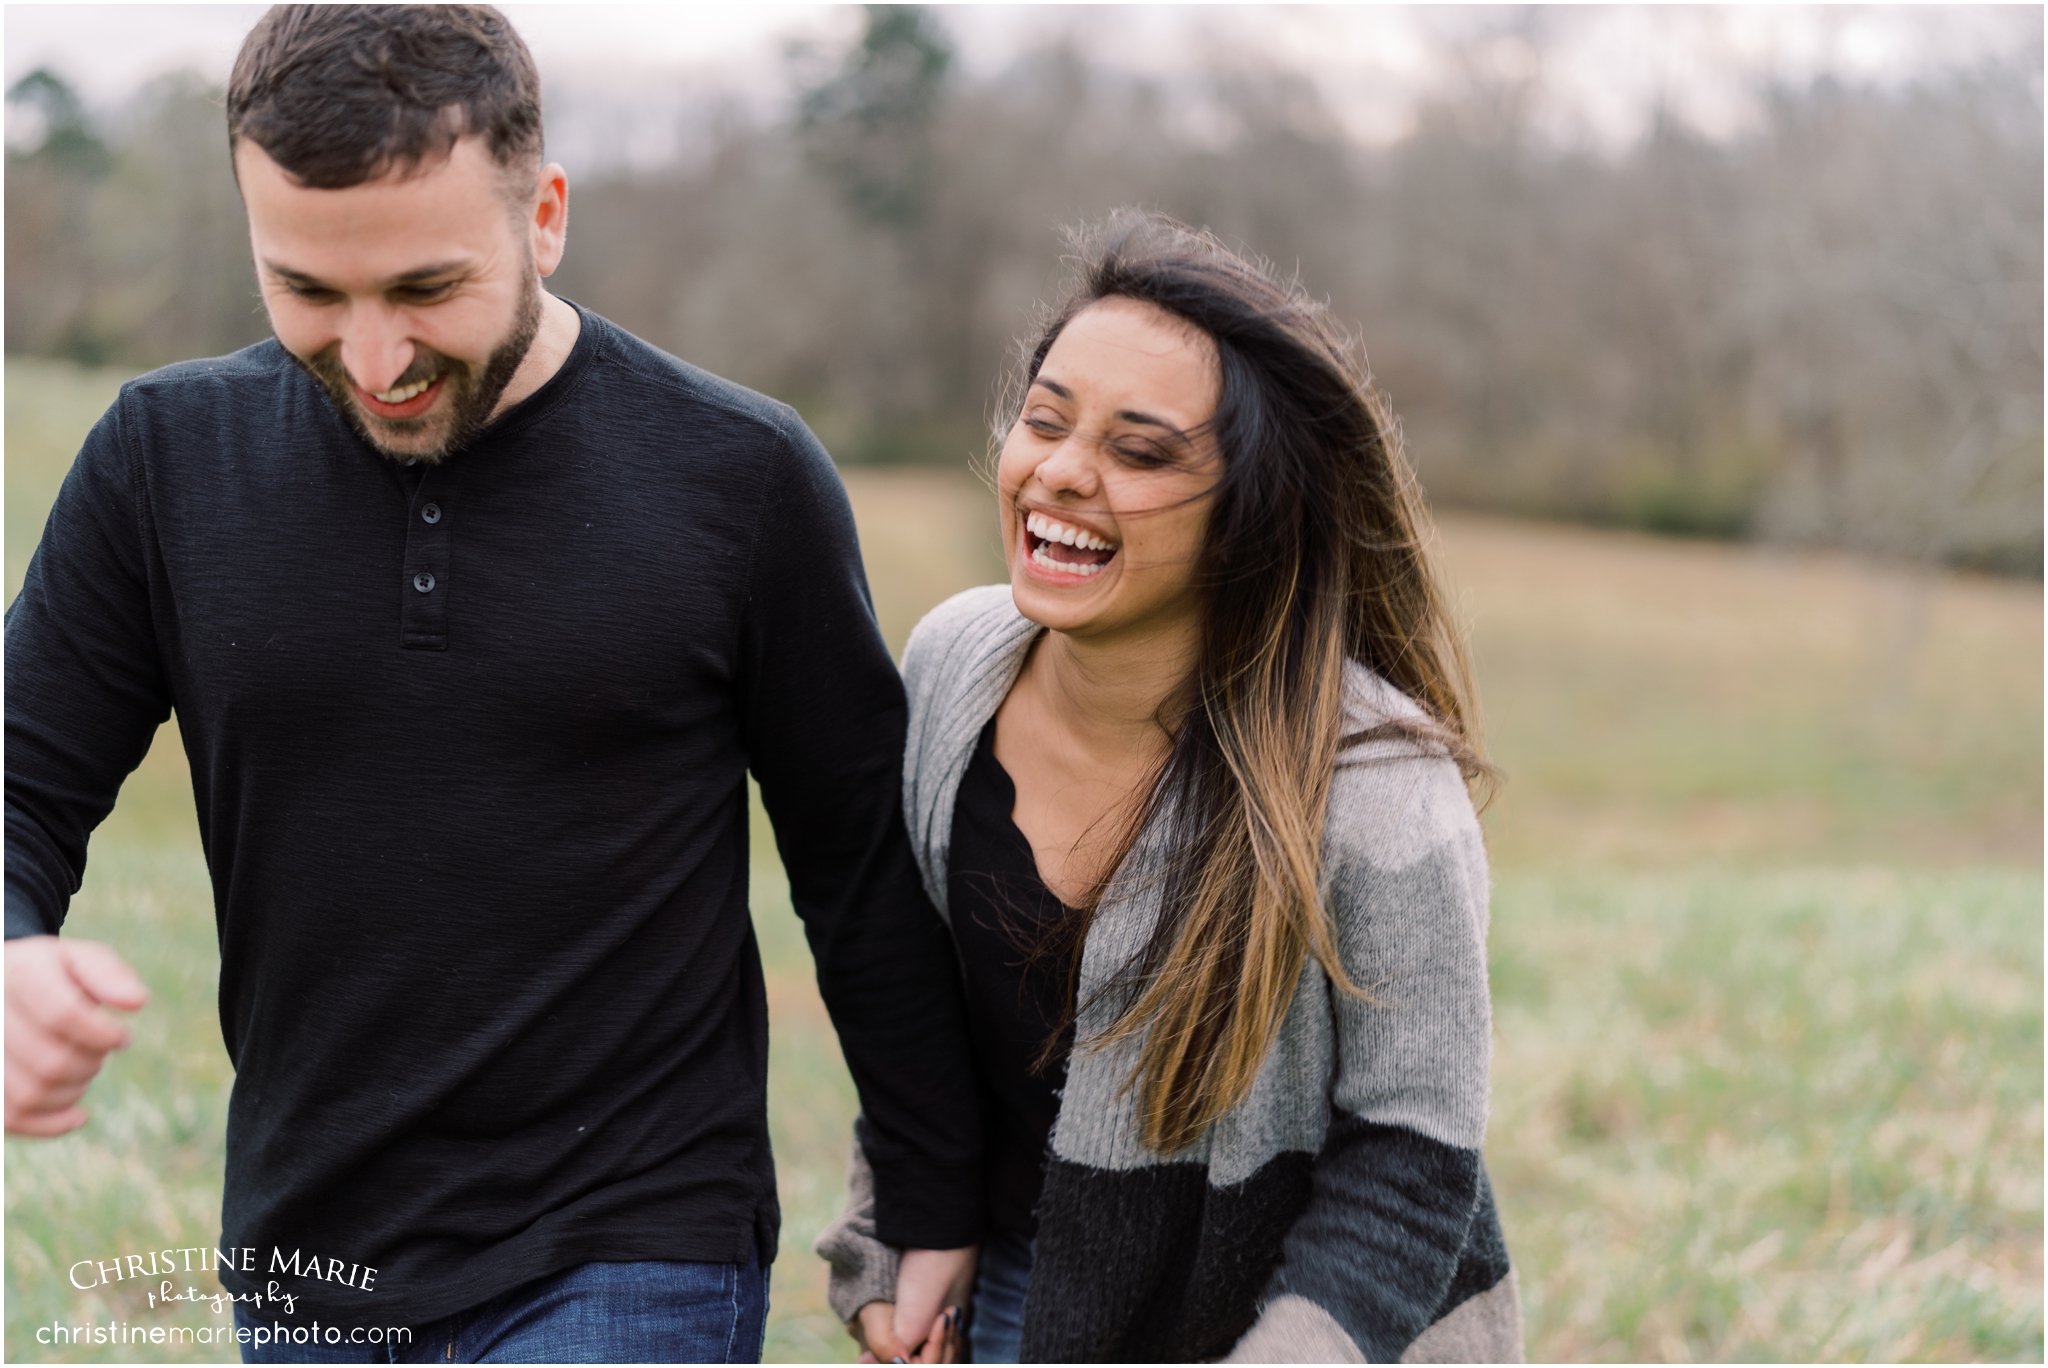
x=1341, y=1212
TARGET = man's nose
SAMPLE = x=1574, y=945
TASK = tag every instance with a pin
x=375, y=349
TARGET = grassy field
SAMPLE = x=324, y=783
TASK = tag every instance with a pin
x=1766, y=947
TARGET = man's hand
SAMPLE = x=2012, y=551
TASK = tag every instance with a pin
x=925, y=1322
x=58, y=1029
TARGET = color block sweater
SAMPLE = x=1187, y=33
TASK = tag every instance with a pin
x=1341, y=1212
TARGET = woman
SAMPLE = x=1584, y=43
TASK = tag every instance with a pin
x=1191, y=793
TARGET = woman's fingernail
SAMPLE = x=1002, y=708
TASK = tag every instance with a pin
x=899, y=1359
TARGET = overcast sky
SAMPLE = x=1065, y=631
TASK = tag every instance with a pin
x=626, y=82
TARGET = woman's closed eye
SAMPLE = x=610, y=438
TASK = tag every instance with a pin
x=1131, y=449
x=1143, y=452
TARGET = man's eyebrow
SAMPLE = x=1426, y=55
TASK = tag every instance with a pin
x=429, y=272
x=411, y=277
x=288, y=273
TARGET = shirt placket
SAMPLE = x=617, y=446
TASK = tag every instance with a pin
x=429, y=543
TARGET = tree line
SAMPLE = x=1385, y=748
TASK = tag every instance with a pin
x=1826, y=330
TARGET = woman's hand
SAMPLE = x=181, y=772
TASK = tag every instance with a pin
x=925, y=1323
x=875, y=1332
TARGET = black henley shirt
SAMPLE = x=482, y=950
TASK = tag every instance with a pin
x=469, y=744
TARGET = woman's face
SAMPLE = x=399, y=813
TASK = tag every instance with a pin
x=1105, y=479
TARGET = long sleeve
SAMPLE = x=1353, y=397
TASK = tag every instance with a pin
x=469, y=744
x=85, y=686
x=824, y=730
x=863, y=1268
x=1340, y=1212
x=1399, y=1228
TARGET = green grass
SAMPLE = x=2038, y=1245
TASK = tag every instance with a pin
x=144, y=1173
x=1658, y=703
x=1766, y=942
x=1795, y=1115
x=50, y=407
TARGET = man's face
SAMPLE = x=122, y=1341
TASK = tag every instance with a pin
x=411, y=300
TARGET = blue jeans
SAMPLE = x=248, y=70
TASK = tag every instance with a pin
x=996, y=1331
x=596, y=1313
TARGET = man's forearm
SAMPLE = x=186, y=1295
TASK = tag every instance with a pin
x=888, y=977
x=824, y=723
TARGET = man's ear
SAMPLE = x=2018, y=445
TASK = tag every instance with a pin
x=548, y=219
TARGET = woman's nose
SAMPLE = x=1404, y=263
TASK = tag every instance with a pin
x=1070, y=468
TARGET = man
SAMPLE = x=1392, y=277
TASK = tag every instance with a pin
x=475, y=612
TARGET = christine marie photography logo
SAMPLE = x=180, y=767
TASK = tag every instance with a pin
x=165, y=1281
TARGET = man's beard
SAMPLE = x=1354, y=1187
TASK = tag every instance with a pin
x=472, y=392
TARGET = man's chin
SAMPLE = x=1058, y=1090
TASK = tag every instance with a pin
x=423, y=439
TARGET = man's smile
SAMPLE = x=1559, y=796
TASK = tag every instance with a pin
x=401, y=401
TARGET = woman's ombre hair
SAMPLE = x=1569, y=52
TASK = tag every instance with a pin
x=1316, y=552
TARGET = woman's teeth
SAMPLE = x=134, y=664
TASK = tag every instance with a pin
x=1050, y=533
x=405, y=392
x=1043, y=556
x=1045, y=529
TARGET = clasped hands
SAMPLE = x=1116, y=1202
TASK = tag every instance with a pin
x=926, y=1322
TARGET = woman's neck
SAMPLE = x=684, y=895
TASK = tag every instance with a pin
x=1115, y=695
x=1087, y=725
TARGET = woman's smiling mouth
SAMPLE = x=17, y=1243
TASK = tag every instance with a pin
x=1065, y=549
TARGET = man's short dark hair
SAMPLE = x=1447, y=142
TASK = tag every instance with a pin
x=338, y=95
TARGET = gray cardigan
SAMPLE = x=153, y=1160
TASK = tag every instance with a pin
x=1341, y=1212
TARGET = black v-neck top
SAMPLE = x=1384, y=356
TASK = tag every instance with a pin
x=1019, y=987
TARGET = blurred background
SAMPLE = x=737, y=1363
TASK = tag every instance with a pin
x=1720, y=273
x=1716, y=337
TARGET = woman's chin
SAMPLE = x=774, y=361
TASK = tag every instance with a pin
x=1063, y=602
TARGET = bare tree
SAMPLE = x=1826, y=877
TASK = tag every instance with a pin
x=1825, y=330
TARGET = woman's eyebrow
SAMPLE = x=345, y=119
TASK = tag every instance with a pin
x=1123, y=415
x=1147, y=420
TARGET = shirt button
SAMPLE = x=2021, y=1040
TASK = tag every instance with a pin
x=431, y=513
x=424, y=582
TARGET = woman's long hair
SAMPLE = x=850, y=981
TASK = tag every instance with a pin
x=1315, y=553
